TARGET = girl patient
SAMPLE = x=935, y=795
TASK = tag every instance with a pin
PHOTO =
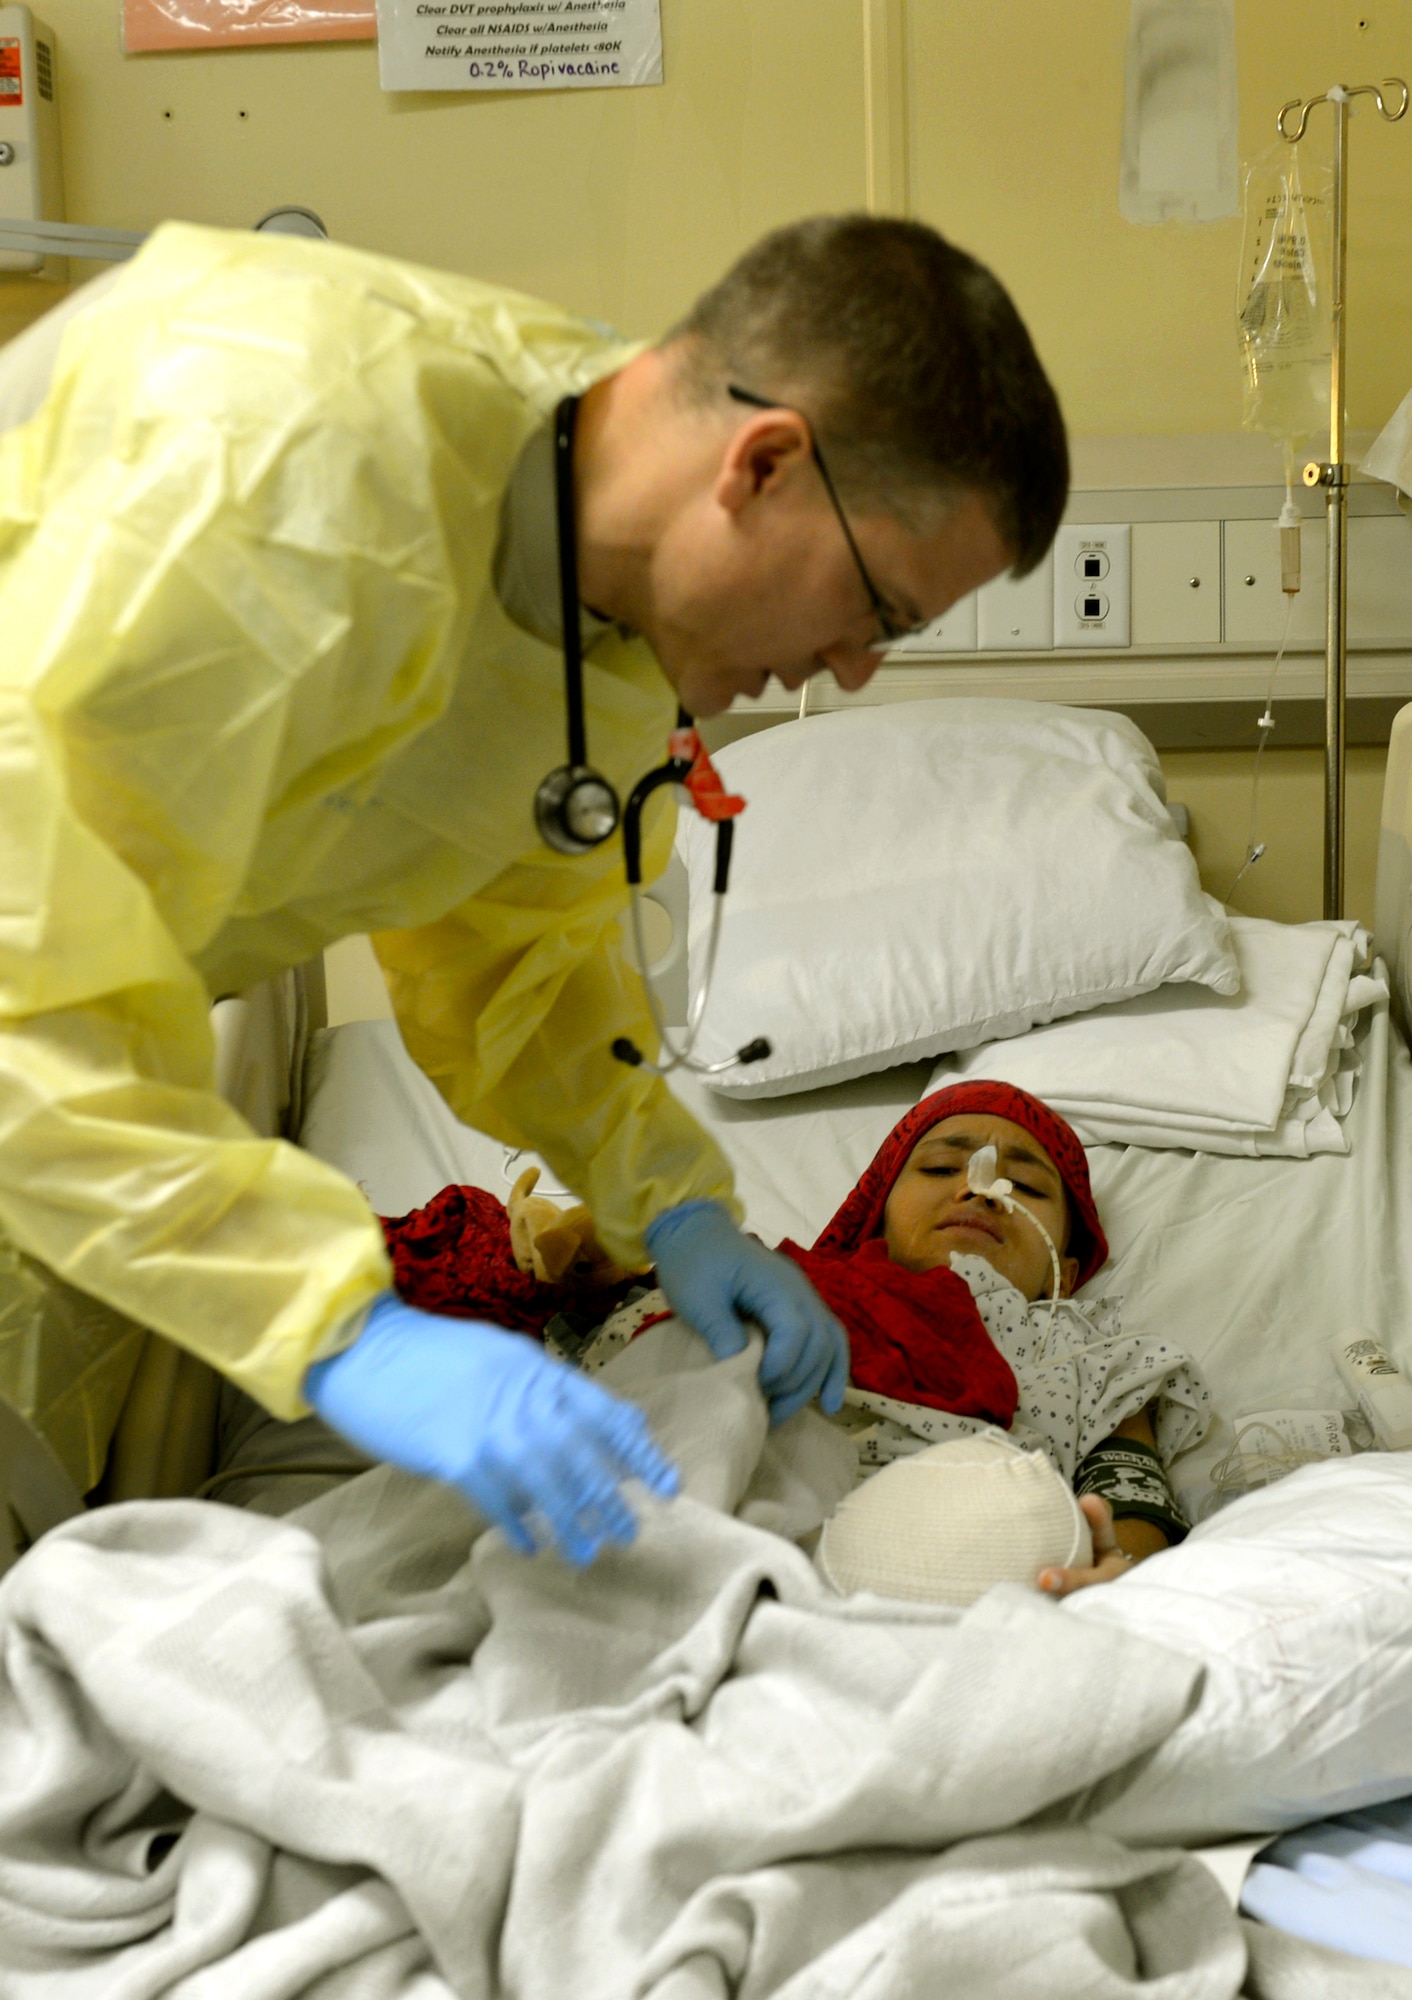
x=947, y=1293
x=946, y=1289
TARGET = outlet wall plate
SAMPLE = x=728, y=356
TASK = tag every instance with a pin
x=1093, y=585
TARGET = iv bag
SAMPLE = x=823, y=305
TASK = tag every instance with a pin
x=1284, y=300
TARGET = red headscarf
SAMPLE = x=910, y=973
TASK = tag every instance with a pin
x=861, y=1216
x=916, y=1335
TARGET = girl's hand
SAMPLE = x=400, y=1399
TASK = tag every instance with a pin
x=1109, y=1561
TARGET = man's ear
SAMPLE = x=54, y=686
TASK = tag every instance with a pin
x=761, y=453
x=1068, y=1276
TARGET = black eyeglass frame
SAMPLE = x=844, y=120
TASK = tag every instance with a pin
x=891, y=631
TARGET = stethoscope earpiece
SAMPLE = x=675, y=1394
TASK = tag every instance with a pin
x=760, y=1050
x=576, y=809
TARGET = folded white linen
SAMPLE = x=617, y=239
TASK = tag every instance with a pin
x=1270, y=1070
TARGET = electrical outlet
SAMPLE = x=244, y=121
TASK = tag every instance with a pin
x=1093, y=585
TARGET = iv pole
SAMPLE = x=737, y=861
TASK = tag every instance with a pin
x=1334, y=476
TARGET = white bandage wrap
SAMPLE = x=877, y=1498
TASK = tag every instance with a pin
x=944, y=1525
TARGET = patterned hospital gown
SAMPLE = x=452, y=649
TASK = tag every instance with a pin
x=1076, y=1383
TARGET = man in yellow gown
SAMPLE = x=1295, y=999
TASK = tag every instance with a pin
x=282, y=662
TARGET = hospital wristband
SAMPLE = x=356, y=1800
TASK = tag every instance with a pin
x=1129, y=1476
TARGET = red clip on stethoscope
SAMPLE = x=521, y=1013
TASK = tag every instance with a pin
x=576, y=809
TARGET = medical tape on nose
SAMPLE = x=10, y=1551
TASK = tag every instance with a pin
x=982, y=1179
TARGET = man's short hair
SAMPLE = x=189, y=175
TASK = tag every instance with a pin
x=908, y=358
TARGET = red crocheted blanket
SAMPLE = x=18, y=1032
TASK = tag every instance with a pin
x=454, y=1256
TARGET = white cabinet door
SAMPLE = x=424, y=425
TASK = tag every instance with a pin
x=1176, y=583
x=1255, y=603
x=1018, y=617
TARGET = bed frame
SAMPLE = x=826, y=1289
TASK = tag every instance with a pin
x=165, y=1439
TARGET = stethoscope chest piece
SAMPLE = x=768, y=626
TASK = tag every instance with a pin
x=575, y=809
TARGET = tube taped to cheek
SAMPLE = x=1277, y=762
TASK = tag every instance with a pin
x=982, y=1179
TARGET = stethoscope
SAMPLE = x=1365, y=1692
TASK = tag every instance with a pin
x=576, y=808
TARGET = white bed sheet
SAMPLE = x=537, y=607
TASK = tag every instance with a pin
x=1251, y=1265
x=1255, y=1265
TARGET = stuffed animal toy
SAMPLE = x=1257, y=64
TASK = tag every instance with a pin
x=558, y=1245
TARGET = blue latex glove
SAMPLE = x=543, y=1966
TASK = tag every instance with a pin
x=540, y=1450
x=1333, y=1902
x=716, y=1277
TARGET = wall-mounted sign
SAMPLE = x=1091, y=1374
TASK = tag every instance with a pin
x=518, y=44
x=217, y=24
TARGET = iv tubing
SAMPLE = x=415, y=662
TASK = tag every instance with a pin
x=1255, y=848
x=981, y=1179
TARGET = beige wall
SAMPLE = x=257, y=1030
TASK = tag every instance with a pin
x=618, y=203
x=1287, y=883
x=1016, y=115
x=1004, y=119
x=624, y=203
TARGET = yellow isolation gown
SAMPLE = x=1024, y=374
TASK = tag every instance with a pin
x=257, y=692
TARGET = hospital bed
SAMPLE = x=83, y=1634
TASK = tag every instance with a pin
x=1213, y=1253
x=1223, y=1255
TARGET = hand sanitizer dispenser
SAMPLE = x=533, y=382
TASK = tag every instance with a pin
x=31, y=176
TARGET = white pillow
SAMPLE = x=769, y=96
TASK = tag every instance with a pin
x=928, y=876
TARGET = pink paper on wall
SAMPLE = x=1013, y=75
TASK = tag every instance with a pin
x=214, y=24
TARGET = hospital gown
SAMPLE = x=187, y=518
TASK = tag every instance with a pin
x=1076, y=1384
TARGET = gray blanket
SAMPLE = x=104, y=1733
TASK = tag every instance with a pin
x=366, y=1752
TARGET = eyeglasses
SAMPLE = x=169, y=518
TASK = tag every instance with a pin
x=891, y=630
